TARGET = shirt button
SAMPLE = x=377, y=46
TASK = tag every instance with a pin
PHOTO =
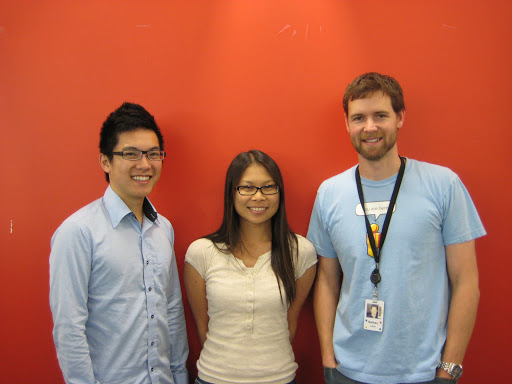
x=149, y=289
x=147, y=262
x=152, y=316
x=151, y=369
x=152, y=343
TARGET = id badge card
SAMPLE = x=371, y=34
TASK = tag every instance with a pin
x=373, y=315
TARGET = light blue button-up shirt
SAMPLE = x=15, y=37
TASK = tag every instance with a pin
x=115, y=297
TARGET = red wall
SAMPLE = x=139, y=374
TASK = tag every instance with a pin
x=223, y=77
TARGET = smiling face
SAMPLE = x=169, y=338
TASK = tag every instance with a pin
x=373, y=126
x=257, y=209
x=133, y=180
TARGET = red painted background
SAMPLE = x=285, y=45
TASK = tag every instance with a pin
x=223, y=77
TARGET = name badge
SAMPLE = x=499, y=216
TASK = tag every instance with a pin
x=374, y=315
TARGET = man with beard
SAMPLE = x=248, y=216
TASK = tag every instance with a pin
x=420, y=258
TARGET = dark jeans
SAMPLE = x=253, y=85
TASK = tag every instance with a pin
x=333, y=376
x=199, y=381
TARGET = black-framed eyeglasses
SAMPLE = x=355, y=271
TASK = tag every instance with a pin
x=249, y=190
x=135, y=154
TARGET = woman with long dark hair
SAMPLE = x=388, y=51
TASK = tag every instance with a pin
x=247, y=281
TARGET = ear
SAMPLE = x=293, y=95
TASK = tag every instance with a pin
x=104, y=163
x=346, y=122
x=400, y=117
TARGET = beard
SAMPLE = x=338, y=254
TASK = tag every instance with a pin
x=377, y=153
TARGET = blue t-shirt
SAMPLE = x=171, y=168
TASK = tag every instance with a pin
x=433, y=210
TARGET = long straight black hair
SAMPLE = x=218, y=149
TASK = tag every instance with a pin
x=284, y=241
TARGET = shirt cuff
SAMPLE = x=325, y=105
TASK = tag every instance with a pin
x=180, y=378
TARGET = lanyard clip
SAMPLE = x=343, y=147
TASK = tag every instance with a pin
x=375, y=276
x=375, y=293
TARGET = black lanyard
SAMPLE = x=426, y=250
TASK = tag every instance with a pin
x=375, y=276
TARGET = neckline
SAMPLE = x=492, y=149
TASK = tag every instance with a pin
x=244, y=267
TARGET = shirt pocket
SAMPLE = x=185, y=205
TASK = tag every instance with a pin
x=162, y=267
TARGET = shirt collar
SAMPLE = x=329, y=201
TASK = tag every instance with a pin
x=117, y=209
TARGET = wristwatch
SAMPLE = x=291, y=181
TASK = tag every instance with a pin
x=455, y=370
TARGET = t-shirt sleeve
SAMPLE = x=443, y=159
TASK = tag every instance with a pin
x=196, y=255
x=306, y=257
x=461, y=222
x=317, y=232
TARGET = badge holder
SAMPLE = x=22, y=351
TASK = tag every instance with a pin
x=373, y=315
x=374, y=308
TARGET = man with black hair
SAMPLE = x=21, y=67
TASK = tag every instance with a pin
x=114, y=286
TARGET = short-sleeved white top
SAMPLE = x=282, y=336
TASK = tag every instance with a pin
x=248, y=337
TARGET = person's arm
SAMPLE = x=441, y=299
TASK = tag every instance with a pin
x=177, y=329
x=70, y=269
x=326, y=296
x=196, y=293
x=302, y=288
x=463, y=274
